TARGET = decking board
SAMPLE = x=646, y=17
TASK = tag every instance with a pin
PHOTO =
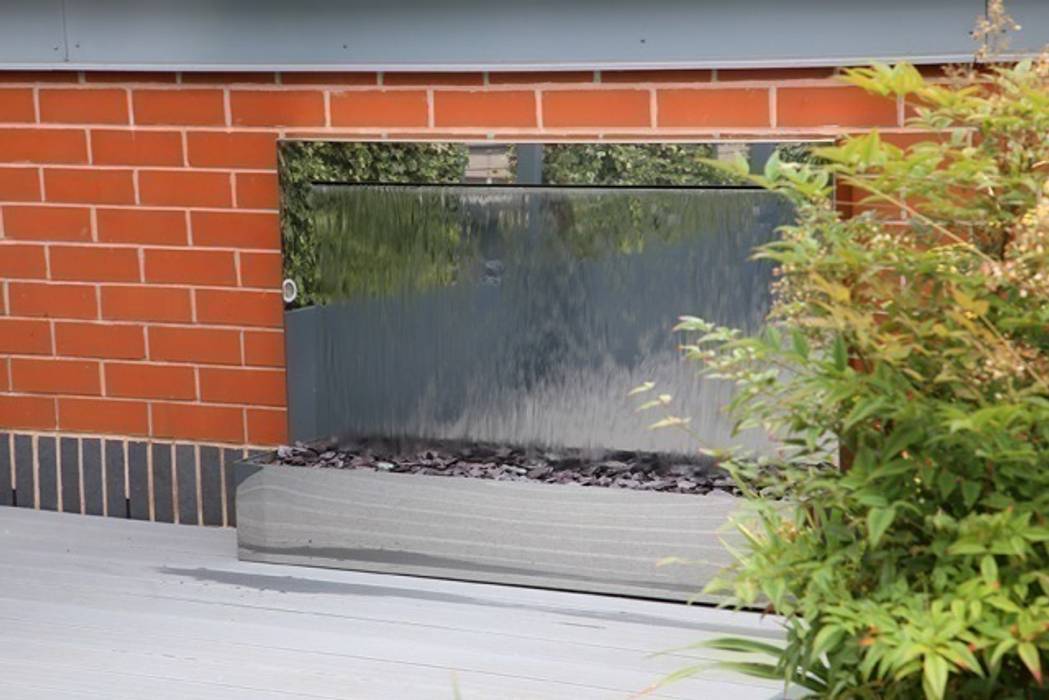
x=99, y=607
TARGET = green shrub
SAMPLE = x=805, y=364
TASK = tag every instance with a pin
x=914, y=339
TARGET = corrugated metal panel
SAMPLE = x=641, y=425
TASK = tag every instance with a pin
x=506, y=34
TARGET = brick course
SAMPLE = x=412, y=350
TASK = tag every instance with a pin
x=139, y=238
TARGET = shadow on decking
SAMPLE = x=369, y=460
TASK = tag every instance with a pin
x=293, y=584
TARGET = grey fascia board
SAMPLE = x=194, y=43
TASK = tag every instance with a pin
x=787, y=62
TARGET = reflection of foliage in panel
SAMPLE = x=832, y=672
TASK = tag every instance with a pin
x=389, y=239
x=371, y=241
x=641, y=164
x=797, y=153
x=626, y=222
x=306, y=162
x=589, y=225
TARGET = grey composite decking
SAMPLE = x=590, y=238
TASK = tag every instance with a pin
x=103, y=608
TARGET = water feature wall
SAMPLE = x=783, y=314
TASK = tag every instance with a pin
x=522, y=315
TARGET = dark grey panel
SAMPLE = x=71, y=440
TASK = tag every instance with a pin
x=230, y=457
x=116, y=497
x=70, y=452
x=302, y=345
x=94, y=490
x=460, y=34
x=525, y=315
x=25, y=481
x=138, y=480
x=6, y=476
x=163, y=485
x=47, y=472
x=211, y=484
x=186, y=475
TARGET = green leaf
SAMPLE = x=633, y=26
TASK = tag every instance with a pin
x=642, y=388
x=839, y=354
x=742, y=644
x=1029, y=655
x=970, y=492
x=989, y=569
x=801, y=344
x=999, y=651
x=864, y=408
x=826, y=639
x=670, y=422
x=878, y=521
x=934, y=676
x=753, y=669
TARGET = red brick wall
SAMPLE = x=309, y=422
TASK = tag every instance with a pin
x=139, y=241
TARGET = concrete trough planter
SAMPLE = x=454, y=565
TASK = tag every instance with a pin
x=591, y=539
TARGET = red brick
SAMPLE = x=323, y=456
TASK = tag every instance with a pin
x=239, y=307
x=83, y=106
x=22, y=261
x=105, y=340
x=157, y=226
x=320, y=78
x=25, y=337
x=277, y=108
x=833, y=106
x=55, y=376
x=264, y=348
x=89, y=186
x=43, y=145
x=52, y=300
x=775, y=74
x=708, y=108
x=908, y=140
x=411, y=78
x=657, y=76
x=267, y=427
x=204, y=345
x=27, y=412
x=257, y=191
x=39, y=76
x=162, y=304
x=256, y=387
x=128, y=76
x=502, y=108
x=261, y=270
x=103, y=416
x=48, y=223
x=19, y=185
x=538, y=78
x=379, y=108
x=4, y=385
x=197, y=422
x=184, y=189
x=236, y=229
x=113, y=147
x=94, y=264
x=227, y=77
x=193, y=107
x=135, y=380
x=210, y=267
x=583, y=108
x=215, y=149
x=16, y=105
